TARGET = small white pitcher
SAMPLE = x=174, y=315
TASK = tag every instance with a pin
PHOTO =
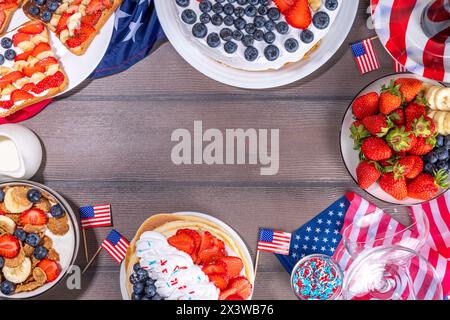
x=24, y=164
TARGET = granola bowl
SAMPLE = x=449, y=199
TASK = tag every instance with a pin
x=39, y=239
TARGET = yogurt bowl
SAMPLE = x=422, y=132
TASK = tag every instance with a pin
x=64, y=244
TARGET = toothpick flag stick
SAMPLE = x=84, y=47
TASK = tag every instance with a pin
x=256, y=265
x=92, y=260
x=85, y=245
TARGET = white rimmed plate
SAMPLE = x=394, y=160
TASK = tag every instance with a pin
x=233, y=234
x=350, y=156
x=261, y=79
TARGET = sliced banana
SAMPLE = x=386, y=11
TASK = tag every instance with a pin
x=430, y=94
x=446, y=124
x=7, y=224
x=442, y=99
x=18, y=274
x=16, y=200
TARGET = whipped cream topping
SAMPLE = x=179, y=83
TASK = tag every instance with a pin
x=237, y=59
x=176, y=275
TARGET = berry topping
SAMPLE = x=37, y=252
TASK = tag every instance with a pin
x=189, y=16
x=239, y=23
x=247, y=40
x=282, y=27
x=271, y=52
x=50, y=268
x=33, y=216
x=9, y=246
x=20, y=234
x=34, y=11
x=20, y=95
x=7, y=288
x=230, y=47
x=52, y=6
x=205, y=18
x=199, y=30
x=57, y=211
x=321, y=20
x=269, y=37
x=291, y=45
x=299, y=16
x=32, y=28
x=251, y=53
x=205, y=6
x=46, y=16
x=10, y=54
x=331, y=4
x=182, y=3
x=40, y=252
x=274, y=14
x=6, y=43
x=307, y=36
x=216, y=19
x=226, y=34
x=213, y=40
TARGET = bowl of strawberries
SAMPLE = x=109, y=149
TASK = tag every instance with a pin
x=390, y=143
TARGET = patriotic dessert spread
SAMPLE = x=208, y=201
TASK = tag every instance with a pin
x=36, y=239
x=29, y=69
x=401, y=135
x=185, y=258
x=256, y=35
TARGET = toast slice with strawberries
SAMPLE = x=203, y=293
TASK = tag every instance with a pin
x=7, y=9
x=75, y=22
x=30, y=72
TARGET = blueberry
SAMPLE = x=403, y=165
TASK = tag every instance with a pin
x=430, y=158
x=239, y=23
x=282, y=27
x=138, y=288
x=182, y=3
x=447, y=142
x=439, y=140
x=441, y=165
x=428, y=168
x=20, y=234
x=216, y=19
x=331, y=4
x=46, y=16
x=199, y=30
x=52, y=6
x=6, y=43
x=271, y=52
x=40, y=2
x=10, y=54
x=134, y=279
x=32, y=239
x=263, y=10
x=2, y=262
x=250, y=28
x=142, y=275
x=57, y=211
x=150, y=291
x=228, y=21
x=242, y=2
x=307, y=36
x=34, y=195
x=239, y=12
x=228, y=9
x=251, y=11
x=189, y=16
x=205, y=18
x=251, y=53
x=258, y=35
x=217, y=8
x=220, y=1
x=34, y=11
x=269, y=37
x=7, y=288
x=230, y=47
x=231, y=1
x=291, y=45
x=247, y=40
x=40, y=252
x=157, y=297
x=265, y=2
x=137, y=267
x=205, y=6
x=269, y=25
x=213, y=40
x=2, y=195
x=237, y=35
x=441, y=153
x=259, y=21
x=135, y=296
x=253, y=2
x=274, y=14
x=226, y=34
x=321, y=20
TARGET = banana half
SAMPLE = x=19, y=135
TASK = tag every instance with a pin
x=16, y=200
x=18, y=274
x=438, y=97
x=7, y=224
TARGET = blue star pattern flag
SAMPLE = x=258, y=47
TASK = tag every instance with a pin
x=136, y=30
x=320, y=235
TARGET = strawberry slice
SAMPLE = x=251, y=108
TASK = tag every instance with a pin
x=50, y=268
x=91, y=19
x=20, y=95
x=80, y=36
x=46, y=62
x=234, y=265
x=215, y=267
x=6, y=104
x=9, y=246
x=35, y=27
x=2, y=18
x=30, y=70
x=234, y=297
x=49, y=82
x=35, y=217
x=197, y=241
x=22, y=56
x=6, y=6
x=28, y=86
x=41, y=47
x=220, y=280
x=10, y=78
x=300, y=15
x=208, y=255
x=62, y=22
x=182, y=242
x=284, y=5
x=94, y=6
x=207, y=241
x=20, y=37
x=240, y=286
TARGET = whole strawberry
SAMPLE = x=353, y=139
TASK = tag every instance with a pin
x=358, y=134
x=426, y=187
x=423, y=146
x=390, y=98
x=398, y=117
x=400, y=140
x=376, y=149
x=402, y=167
x=409, y=88
x=412, y=112
x=378, y=125
x=417, y=167
x=365, y=105
x=367, y=173
x=395, y=187
x=424, y=127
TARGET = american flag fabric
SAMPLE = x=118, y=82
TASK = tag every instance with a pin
x=320, y=235
x=399, y=68
x=96, y=216
x=398, y=25
x=365, y=56
x=116, y=245
x=274, y=241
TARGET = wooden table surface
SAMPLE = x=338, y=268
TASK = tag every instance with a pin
x=109, y=142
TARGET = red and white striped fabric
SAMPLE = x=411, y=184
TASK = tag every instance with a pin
x=435, y=251
x=398, y=25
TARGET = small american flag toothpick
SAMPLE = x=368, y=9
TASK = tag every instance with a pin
x=365, y=56
x=274, y=241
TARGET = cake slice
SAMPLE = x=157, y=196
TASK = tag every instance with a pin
x=29, y=70
x=7, y=9
x=75, y=22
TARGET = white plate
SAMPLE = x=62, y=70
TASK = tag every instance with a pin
x=233, y=234
x=77, y=68
x=261, y=79
x=350, y=156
